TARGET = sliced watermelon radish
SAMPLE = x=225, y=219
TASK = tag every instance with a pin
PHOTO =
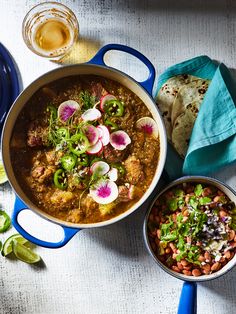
x=91, y=115
x=148, y=126
x=91, y=133
x=119, y=140
x=100, y=168
x=104, y=192
x=105, y=99
x=104, y=134
x=95, y=149
x=113, y=174
x=67, y=109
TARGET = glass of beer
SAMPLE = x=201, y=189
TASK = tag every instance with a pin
x=50, y=29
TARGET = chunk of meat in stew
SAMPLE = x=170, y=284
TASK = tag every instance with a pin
x=134, y=170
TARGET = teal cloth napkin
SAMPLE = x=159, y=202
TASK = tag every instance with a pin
x=213, y=140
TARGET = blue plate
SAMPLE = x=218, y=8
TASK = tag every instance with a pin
x=9, y=83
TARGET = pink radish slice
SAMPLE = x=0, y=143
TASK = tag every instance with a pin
x=147, y=125
x=67, y=109
x=104, y=192
x=113, y=174
x=104, y=134
x=105, y=99
x=91, y=133
x=119, y=140
x=95, y=149
x=91, y=115
x=100, y=168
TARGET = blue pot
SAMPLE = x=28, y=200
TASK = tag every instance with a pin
x=96, y=66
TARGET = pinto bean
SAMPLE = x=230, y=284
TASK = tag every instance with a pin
x=206, y=192
x=222, y=213
x=174, y=255
x=220, y=193
x=201, y=258
x=216, y=266
x=158, y=233
x=231, y=255
x=187, y=272
x=151, y=217
x=188, y=267
x=207, y=257
x=184, y=262
x=216, y=199
x=233, y=244
x=180, y=266
x=186, y=213
x=227, y=254
x=222, y=259
x=187, y=197
x=175, y=268
x=173, y=248
x=196, y=272
x=206, y=269
x=231, y=235
x=168, y=250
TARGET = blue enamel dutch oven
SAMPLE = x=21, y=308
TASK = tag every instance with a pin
x=96, y=66
x=9, y=84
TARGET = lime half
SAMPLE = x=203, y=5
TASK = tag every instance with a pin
x=3, y=176
x=7, y=246
x=24, y=254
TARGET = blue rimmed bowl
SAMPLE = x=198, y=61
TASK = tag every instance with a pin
x=188, y=301
x=96, y=66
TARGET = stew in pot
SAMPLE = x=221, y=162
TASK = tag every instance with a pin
x=85, y=149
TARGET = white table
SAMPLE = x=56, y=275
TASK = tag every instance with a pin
x=108, y=270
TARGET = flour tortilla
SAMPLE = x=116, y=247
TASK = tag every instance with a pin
x=182, y=130
x=166, y=97
x=189, y=96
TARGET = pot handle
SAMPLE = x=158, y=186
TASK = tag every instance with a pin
x=99, y=59
x=188, y=298
x=68, y=232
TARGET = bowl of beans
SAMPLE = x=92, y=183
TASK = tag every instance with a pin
x=190, y=228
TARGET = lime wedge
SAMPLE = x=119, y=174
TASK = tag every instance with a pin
x=3, y=176
x=24, y=254
x=0, y=246
x=5, y=221
x=7, y=246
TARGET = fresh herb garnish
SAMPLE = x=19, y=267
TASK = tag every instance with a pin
x=87, y=100
x=198, y=190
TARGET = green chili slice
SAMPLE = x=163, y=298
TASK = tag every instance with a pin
x=114, y=108
x=83, y=160
x=63, y=133
x=113, y=126
x=5, y=221
x=60, y=179
x=53, y=111
x=78, y=144
x=68, y=161
x=120, y=168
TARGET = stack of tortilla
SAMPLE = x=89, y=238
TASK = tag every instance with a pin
x=179, y=101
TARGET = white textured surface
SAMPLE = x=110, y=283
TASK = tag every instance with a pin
x=108, y=270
